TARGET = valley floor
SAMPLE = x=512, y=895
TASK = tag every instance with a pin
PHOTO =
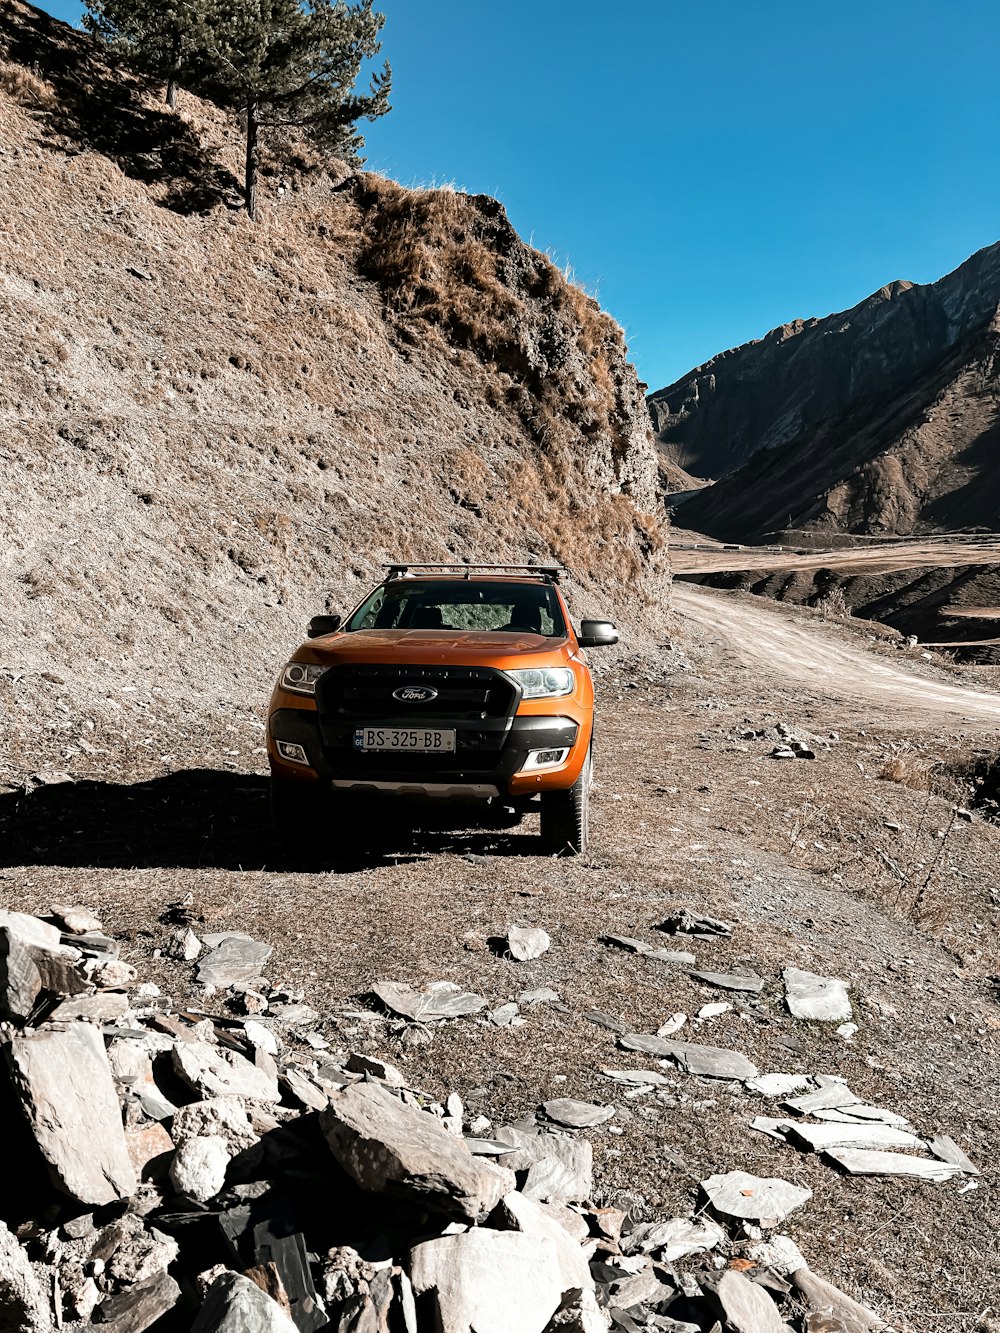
x=821, y=864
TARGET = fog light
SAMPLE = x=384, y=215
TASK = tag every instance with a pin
x=538, y=759
x=294, y=753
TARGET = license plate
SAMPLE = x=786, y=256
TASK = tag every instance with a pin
x=418, y=740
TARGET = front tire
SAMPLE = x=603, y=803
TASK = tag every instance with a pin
x=566, y=816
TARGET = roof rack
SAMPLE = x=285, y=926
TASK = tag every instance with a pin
x=466, y=567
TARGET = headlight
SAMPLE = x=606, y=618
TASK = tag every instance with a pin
x=301, y=677
x=544, y=682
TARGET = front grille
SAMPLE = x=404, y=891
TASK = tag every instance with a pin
x=355, y=694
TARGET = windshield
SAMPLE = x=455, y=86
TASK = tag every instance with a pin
x=530, y=608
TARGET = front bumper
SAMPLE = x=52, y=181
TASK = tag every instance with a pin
x=486, y=762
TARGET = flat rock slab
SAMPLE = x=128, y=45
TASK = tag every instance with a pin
x=739, y=1194
x=830, y=1303
x=949, y=1151
x=746, y=1307
x=213, y=1072
x=577, y=1115
x=821, y=999
x=104, y=1007
x=442, y=1000
x=389, y=1147
x=234, y=1304
x=778, y=1085
x=525, y=945
x=818, y=1138
x=867, y=1162
x=68, y=1095
x=831, y=1097
x=234, y=962
x=640, y=946
x=140, y=1306
x=488, y=1281
x=730, y=981
x=559, y=1168
x=708, y=1061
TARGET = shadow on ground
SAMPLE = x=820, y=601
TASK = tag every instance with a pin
x=99, y=106
x=205, y=818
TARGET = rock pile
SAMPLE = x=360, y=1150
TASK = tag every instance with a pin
x=179, y=1170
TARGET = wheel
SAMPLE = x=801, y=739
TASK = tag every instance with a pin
x=566, y=816
x=299, y=814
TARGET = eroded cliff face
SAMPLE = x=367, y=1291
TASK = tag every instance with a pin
x=880, y=419
x=212, y=430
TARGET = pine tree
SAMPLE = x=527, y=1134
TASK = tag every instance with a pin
x=289, y=64
x=162, y=37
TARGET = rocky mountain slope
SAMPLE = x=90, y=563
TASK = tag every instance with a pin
x=212, y=430
x=881, y=419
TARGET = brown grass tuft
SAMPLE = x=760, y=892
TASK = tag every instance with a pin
x=25, y=86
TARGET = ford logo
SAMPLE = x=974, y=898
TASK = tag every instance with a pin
x=415, y=694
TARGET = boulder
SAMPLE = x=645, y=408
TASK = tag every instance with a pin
x=235, y=961
x=487, y=1281
x=68, y=1096
x=222, y=1116
x=387, y=1146
x=524, y=1215
x=198, y=1170
x=559, y=1169
x=235, y=1304
x=212, y=1072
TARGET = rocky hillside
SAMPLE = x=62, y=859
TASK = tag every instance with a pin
x=212, y=430
x=882, y=419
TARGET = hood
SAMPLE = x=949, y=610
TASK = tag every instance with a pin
x=432, y=646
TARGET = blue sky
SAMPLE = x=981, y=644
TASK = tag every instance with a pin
x=708, y=171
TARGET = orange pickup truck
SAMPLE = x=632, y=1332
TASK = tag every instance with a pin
x=450, y=681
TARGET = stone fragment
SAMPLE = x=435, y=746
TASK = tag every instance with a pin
x=822, y=999
x=506, y=1016
x=517, y=1213
x=949, y=1151
x=133, y=1071
x=829, y=1097
x=185, y=945
x=779, y=1253
x=745, y=1307
x=34, y=960
x=198, y=1170
x=730, y=981
x=527, y=944
x=842, y=1313
x=778, y=1085
x=380, y=1069
x=603, y=1020
x=640, y=946
x=64, y=1082
x=673, y=1024
x=643, y=1288
x=580, y=1313
x=104, y=1007
x=559, y=1168
x=818, y=1138
x=113, y=975
x=235, y=1304
x=441, y=1000
x=708, y=1061
x=685, y=922
x=862, y=1112
x=140, y=1306
x=577, y=1115
x=739, y=1194
x=261, y=1038
x=213, y=1072
x=23, y=1306
x=673, y=1239
x=868, y=1162
x=488, y=1281
x=389, y=1147
x=714, y=1010
x=219, y=1117
x=543, y=995
x=236, y=960
x=303, y=1090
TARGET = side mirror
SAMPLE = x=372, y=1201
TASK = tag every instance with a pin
x=320, y=625
x=596, y=634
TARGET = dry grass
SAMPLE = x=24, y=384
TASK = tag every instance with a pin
x=25, y=86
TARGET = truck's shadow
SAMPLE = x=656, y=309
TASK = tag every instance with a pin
x=202, y=818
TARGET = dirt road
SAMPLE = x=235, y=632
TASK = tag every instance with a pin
x=702, y=556
x=766, y=635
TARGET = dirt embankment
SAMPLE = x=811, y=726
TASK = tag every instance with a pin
x=212, y=430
